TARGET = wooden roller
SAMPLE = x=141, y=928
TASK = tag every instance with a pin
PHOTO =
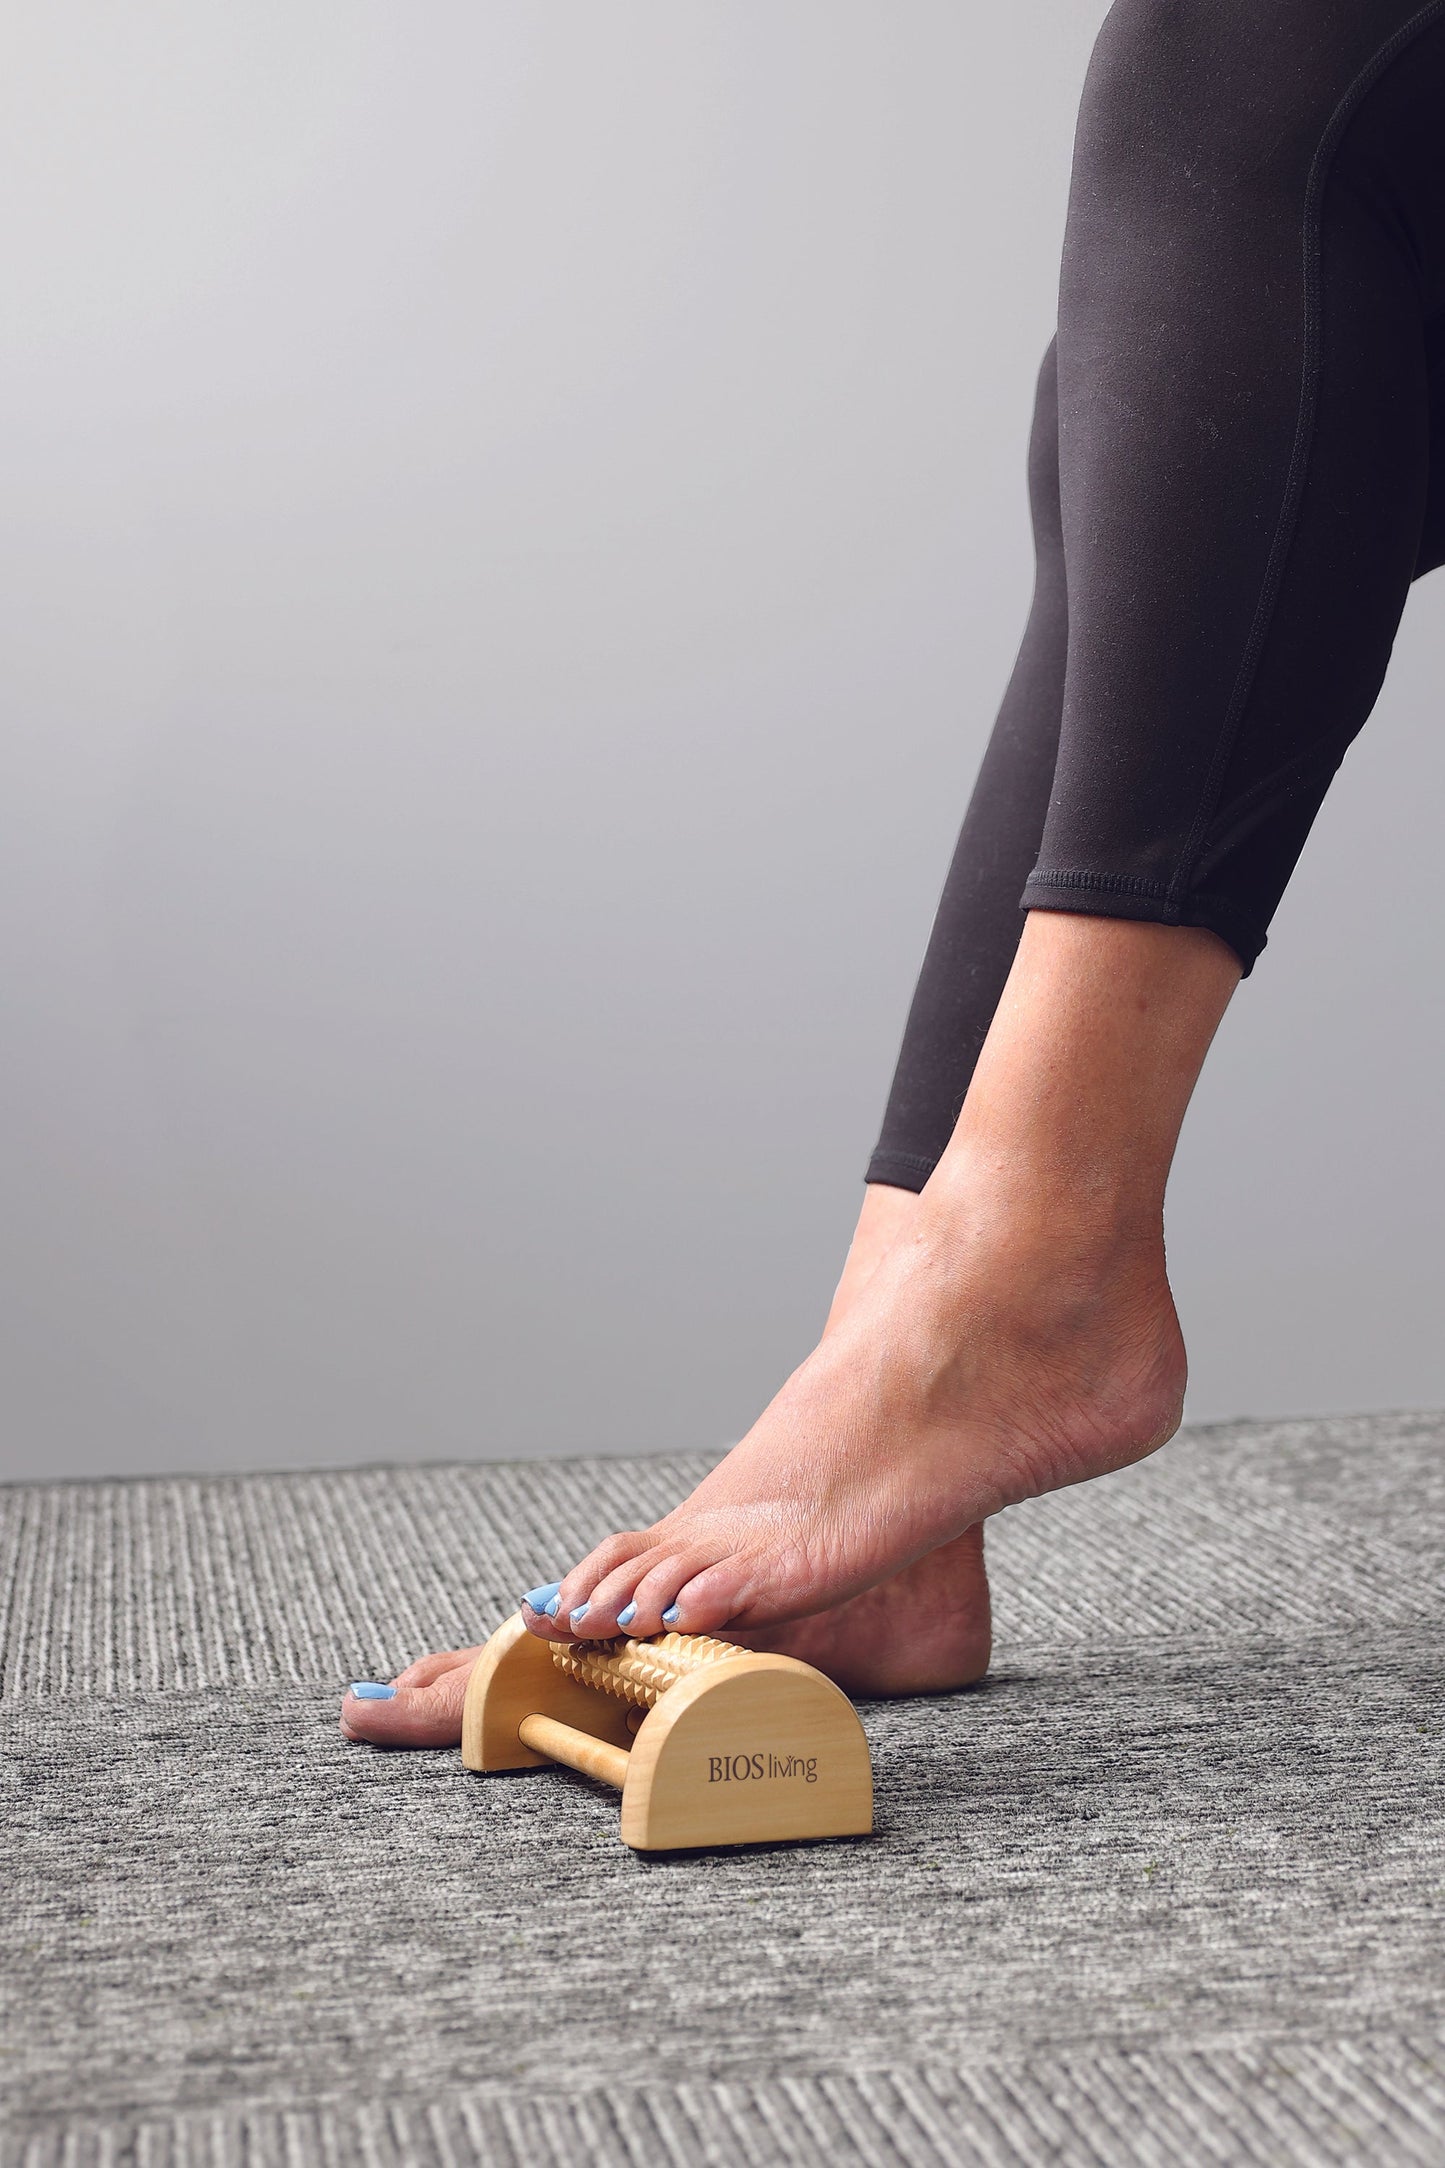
x=708, y=1744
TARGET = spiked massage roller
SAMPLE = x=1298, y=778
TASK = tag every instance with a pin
x=708, y=1744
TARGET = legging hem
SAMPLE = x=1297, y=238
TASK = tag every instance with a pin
x=1098, y=895
x=900, y=1170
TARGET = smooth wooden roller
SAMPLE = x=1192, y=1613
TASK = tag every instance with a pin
x=578, y=1749
x=734, y=1748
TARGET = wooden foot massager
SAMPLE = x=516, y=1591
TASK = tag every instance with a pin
x=708, y=1744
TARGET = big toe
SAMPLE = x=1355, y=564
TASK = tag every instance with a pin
x=400, y=1715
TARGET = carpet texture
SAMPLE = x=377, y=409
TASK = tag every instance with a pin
x=1169, y=1887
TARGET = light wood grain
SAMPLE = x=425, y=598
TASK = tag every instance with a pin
x=734, y=1747
x=758, y=1751
x=515, y=1677
x=564, y=1743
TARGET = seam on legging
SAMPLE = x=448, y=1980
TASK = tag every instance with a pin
x=1245, y=812
x=1114, y=884
x=1303, y=444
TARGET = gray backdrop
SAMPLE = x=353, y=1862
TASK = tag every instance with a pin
x=514, y=531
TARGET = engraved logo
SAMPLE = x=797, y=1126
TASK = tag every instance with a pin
x=752, y=1768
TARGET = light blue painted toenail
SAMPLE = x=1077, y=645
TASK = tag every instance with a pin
x=537, y=1599
x=625, y=1618
x=670, y=1615
x=550, y=1610
x=369, y=1690
x=580, y=1612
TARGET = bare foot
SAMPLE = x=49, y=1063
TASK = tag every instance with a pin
x=1019, y=1336
x=926, y=1630
x=986, y=1356
x=995, y=1353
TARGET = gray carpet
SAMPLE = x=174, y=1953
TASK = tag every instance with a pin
x=1167, y=1889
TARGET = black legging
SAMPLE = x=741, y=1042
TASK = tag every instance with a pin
x=1232, y=490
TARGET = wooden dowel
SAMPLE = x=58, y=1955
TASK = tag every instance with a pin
x=578, y=1749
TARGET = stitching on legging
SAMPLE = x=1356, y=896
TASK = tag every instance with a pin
x=1273, y=790
x=913, y=1161
x=1311, y=364
x=1114, y=884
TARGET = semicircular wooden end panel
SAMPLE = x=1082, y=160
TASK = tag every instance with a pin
x=760, y=1750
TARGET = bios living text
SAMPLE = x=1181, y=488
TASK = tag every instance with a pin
x=749, y=1768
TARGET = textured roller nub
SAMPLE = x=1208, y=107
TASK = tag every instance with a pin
x=638, y=1671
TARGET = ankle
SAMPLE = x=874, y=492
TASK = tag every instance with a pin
x=1048, y=1316
x=886, y=1215
x=1073, y=1113
x=1090, y=1214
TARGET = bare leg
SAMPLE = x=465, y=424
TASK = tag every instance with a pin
x=1017, y=1334
x=1007, y=1331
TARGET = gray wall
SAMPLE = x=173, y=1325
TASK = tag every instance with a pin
x=513, y=534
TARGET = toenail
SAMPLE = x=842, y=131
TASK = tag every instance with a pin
x=670, y=1615
x=580, y=1612
x=550, y=1610
x=370, y=1690
x=537, y=1599
x=625, y=1618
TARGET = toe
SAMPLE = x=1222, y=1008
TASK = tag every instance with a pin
x=427, y=1669
x=711, y=1599
x=655, y=1608
x=545, y=1610
x=583, y=1605
x=610, y=1607
x=539, y=1608
x=429, y=1715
